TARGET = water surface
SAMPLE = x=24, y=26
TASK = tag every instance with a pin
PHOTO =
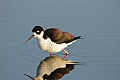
x=97, y=21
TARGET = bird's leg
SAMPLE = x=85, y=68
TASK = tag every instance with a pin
x=50, y=53
x=66, y=54
x=65, y=51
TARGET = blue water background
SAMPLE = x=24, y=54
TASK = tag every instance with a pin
x=98, y=21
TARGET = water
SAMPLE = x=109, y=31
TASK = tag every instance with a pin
x=97, y=21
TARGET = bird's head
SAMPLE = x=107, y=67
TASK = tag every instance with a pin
x=38, y=78
x=38, y=32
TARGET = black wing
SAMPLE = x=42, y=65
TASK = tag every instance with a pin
x=59, y=37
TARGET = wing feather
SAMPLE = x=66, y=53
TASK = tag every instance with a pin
x=53, y=33
x=57, y=36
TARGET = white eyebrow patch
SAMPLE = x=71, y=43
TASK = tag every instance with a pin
x=38, y=31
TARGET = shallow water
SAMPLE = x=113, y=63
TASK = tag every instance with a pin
x=96, y=21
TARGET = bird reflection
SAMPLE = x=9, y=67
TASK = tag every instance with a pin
x=53, y=68
x=60, y=72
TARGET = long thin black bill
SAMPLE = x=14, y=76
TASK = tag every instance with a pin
x=29, y=76
x=29, y=38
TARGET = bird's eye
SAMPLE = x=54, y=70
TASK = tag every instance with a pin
x=38, y=32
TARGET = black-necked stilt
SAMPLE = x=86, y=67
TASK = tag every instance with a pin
x=53, y=68
x=53, y=39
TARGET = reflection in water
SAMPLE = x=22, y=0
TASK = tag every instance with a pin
x=53, y=68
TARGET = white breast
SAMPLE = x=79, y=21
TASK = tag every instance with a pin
x=49, y=46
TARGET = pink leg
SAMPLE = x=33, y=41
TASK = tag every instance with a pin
x=50, y=53
x=66, y=54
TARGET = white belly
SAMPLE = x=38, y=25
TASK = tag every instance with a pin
x=49, y=46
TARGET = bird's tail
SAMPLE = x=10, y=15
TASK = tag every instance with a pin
x=69, y=62
x=78, y=37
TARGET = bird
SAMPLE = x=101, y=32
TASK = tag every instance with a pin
x=53, y=68
x=53, y=40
